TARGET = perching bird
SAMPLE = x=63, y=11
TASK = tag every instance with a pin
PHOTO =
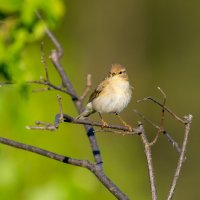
x=112, y=95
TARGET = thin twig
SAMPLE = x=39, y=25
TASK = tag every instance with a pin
x=124, y=130
x=166, y=108
x=42, y=126
x=61, y=119
x=59, y=88
x=147, y=149
x=43, y=82
x=50, y=35
x=88, y=87
x=181, y=157
x=153, y=142
x=43, y=60
x=163, y=108
x=146, y=119
x=123, y=133
x=160, y=130
x=170, y=139
x=41, y=89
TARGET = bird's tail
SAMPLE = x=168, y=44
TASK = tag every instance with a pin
x=87, y=112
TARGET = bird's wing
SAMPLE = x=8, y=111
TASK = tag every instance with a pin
x=98, y=90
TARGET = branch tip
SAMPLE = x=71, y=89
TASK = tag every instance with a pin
x=28, y=127
x=188, y=118
x=163, y=93
x=87, y=89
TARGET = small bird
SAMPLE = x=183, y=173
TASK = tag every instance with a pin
x=112, y=95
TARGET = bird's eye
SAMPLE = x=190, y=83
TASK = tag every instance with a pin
x=120, y=72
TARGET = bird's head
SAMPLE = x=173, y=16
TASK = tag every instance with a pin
x=118, y=70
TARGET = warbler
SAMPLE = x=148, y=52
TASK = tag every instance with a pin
x=112, y=95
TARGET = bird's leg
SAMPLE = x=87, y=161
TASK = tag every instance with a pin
x=102, y=120
x=130, y=128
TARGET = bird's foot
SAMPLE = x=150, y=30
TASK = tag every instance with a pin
x=104, y=124
x=130, y=128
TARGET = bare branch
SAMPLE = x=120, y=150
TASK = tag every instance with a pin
x=170, y=139
x=147, y=149
x=163, y=109
x=94, y=168
x=161, y=129
x=50, y=35
x=123, y=133
x=43, y=82
x=61, y=119
x=87, y=89
x=124, y=130
x=167, y=109
x=41, y=89
x=59, y=88
x=49, y=154
x=153, y=142
x=55, y=58
x=146, y=119
x=182, y=157
x=43, y=60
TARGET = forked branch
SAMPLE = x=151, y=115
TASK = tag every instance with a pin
x=94, y=168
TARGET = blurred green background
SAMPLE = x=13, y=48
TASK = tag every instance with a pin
x=158, y=42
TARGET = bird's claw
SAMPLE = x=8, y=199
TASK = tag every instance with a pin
x=104, y=124
x=130, y=128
